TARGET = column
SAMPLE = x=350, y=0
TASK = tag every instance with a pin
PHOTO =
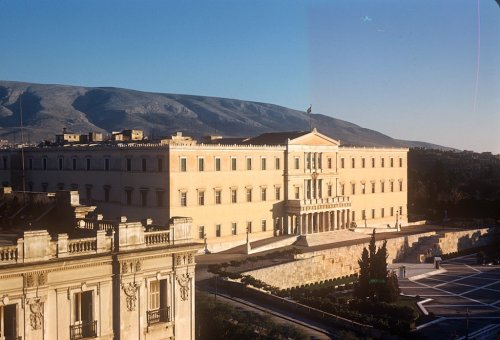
x=338, y=213
x=343, y=219
x=348, y=219
x=333, y=220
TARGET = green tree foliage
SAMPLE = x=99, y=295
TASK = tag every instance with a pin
x=375, y=282
x=464, y=184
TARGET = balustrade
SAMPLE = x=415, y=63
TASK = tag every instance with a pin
x=82, y=245
x=8, y=254
x=157, y=237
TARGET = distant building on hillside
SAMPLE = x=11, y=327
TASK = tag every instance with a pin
x=282, y=183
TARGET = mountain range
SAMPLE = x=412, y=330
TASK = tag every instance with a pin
x=47, y=109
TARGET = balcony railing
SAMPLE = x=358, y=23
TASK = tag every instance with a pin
x=157, y=237
x=158, y=315
x=83, y=330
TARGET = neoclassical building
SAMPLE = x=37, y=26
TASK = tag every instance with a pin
x=123, y=280
x=284, y=183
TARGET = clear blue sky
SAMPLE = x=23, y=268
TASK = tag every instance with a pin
x=404, y=68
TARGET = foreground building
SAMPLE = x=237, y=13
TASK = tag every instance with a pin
x=123, y=280
x=290, y=183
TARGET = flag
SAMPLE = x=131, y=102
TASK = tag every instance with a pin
x=309, y=109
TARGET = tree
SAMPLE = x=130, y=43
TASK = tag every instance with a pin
x=375, y=282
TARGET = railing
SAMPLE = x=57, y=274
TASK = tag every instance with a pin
x=157, y=237
x=326, y=200
x=93, y=224
x=83, y=330
x=82, y=245
x=158, y=315
x=8, y=254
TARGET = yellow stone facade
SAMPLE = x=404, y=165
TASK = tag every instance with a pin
x=274, y=184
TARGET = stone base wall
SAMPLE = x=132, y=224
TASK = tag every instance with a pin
x=327, y=264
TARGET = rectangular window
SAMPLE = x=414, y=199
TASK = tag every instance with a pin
x=400, y=185
x=353, y=188
x=392, y=186
x=353, y=163
x=363, y=191
x=392, y=162
x=8, y=322
x=263, y=164
x=362, y=162
x=44, y=163
x=158, y=310
x=73, y=163
x=263, y=194
x=263, y=225
x=320, y=161
x=373, y=187
x=201, y=232
x=382, y=212
x=87, y=163
x=218, y=197
x=217, y=230
x=363, y=214
x=201, y=164
x=234, y=196
x=183, y=199
x=249, y=227
x=373, y=213
x=183, y=165
x=277, y=163
x=392, y=211
x=249, y=195
x=144, y=164
x=233, y=228
x=160, y=164
x=308, y=189
x=201, y=197
x=342, y=189
x=107, y=189
x=128, y=194
x=373, y=162
x=277, y=192
x=401, y=210
x=83, y=311
x=233, y=164
x=353, y=215
x=308, y=160
x=106, y=164
x=382, y=187
x=382, y=162
x=217, y=164
x=159, y=198
x=329, y=188
x=154, y=295
x=60, y=163
x=297, y=163
x=249, y=163
x=342, y=163
x=144, y=198
x=329, y=163
x=129, y=164
x=297, y=192
x=401, y=162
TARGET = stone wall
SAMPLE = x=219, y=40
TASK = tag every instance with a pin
x=327, y=264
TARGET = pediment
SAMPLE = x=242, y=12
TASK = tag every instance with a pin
x=314, y=138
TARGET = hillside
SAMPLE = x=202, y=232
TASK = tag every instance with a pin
x=47, y=109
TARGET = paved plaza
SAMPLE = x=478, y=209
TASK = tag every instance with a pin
x=465, y=298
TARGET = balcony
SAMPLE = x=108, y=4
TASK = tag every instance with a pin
x=318, y=204
x=83, y=330
x=158, y=315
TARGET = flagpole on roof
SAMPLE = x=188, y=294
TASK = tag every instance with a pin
x=309, y=110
